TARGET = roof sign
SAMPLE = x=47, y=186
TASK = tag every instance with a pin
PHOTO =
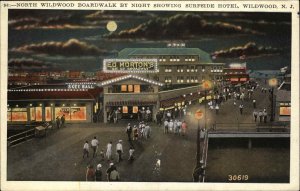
x=130, y=65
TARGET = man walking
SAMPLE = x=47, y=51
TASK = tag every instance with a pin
x=114, y=175
x=129, y=131
x=119, y=148
x=184, y=128
x=260, y=115
x=166, y=125
x=86, y=149
x=63, y=119
x=147, y=131
x=171, y=125
x=254, y=103
x=57, y=122
x=255, y=115
x=94, y=144
x=217, y=109
x=241, y=108
x=265, y=115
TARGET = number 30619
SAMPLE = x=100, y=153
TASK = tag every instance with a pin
x=240, y=177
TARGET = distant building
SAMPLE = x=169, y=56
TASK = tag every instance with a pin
x=236, y=74
x=283, y=99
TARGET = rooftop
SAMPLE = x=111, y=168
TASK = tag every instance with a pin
x=128, y=52
x=58, y=94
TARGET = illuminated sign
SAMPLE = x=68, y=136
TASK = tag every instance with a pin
x=86, y=85
x=130, y=65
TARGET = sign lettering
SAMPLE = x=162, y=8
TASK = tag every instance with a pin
x=130, y=65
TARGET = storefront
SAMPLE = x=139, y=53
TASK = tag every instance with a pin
x=26, y=106
x=283, y=103
x=129, y=97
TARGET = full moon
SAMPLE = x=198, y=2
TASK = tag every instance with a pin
x=111, y=26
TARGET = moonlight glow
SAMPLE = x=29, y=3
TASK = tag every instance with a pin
x=111, y=26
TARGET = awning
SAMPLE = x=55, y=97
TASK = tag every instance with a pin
x=131, y=103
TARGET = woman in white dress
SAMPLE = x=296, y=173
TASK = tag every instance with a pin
x=109, y=150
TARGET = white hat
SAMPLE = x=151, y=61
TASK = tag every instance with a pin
x=99, y=166
x=120, y=141
x=110, y=164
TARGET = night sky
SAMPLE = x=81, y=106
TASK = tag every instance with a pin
x=44, y=40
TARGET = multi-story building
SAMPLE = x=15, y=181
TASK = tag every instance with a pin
x=178, y=66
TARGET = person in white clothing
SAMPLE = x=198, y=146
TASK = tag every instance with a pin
x=171, y=126
x=131, y=151
x=217, y=109
x=86, y=149
x=178, y=127
x=94, y=144
x=119, y=149
x=109, y=150
x=166, y=124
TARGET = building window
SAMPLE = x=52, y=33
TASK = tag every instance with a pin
x=130, y=88
x=124, y=109
x=180, y=68
x=32, y=114
x=188, y=79
x=179, y=79
x=162, y=59
x=135, y=109
x=124, y=88
x=78, y=113
x=60, y=111
x=17, y=114
x=48, y=114
x=193, y=69
x=285, y=111
x=38, y=114
x=168, y=79
x=168, y=69
x=137, y=88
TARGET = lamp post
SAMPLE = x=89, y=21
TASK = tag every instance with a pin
x=273, y=83
x=206, y=85
x=198, y=116
x=197, y=172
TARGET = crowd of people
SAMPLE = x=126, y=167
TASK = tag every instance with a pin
x=177, y=126
x=172, y=121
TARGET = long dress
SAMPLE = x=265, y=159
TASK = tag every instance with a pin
x=109, y=151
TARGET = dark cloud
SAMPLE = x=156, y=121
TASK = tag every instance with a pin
x=108, y=14
x=248, y=50
x=29, y=64
x=24, y=20
x=180, y=26
x=72, y=47
x=55, y=22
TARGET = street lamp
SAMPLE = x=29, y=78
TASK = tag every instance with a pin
x=198, y=116
x=196, y=174
x=273, y=83
x=206, y=85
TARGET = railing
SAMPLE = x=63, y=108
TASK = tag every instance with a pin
x=20, y=137
x=204, y=155
x=250, y=127
x=28, y=134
